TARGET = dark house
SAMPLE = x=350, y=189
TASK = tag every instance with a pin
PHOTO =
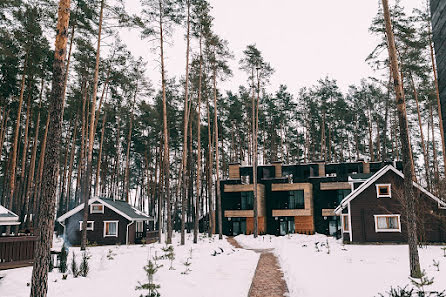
x=374, y=211
x=109, y=222
x=295, y=198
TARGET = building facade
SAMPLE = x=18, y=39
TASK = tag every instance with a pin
x=375, y=212
x=299, y=198
x=438, y=11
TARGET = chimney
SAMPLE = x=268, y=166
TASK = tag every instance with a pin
x=278, y=168
x=365, y=167
x=321, y=169
x=234, y=171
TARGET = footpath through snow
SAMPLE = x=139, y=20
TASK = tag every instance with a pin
x=319, y=266
x=217, y=269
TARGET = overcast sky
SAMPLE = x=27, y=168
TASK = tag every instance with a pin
x=303, y=40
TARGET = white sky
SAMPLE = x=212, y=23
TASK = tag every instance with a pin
x=303, y=40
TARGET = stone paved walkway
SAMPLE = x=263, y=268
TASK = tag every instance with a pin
x=268, y=279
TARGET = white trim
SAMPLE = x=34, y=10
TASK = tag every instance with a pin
x=375, y=177
x=344, y=217
x=127, y=233
x=350, y=222
x=377, y=230
x=96, y=204
x=97, y=199
x=117, y=225
x=383, y=196
x=88, y=222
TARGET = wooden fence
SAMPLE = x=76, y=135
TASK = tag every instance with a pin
x=152, y=236
x=17, y=251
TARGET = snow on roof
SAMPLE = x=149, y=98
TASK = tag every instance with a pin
x=118, y=206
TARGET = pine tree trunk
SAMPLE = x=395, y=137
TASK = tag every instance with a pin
x=254, y=155
x=210, y=166
x=87, y=179
x=420, y=125
x=70, y=169
x=39, y=283
x=371, y=151
x=434, y=150
x=185, y=124
x=127, y=155
x=166, y=157
x=13, y=162
x=198, y=182
x=411, y=217
x=98, y=168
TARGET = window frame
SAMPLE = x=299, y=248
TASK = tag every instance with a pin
x=292, y=195
x=378, y=230
x=105, y=229
x=96, y=204
x=344, y=219
x=378, y=195
x=88, y=228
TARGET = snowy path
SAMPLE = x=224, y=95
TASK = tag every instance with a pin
x=268, y=278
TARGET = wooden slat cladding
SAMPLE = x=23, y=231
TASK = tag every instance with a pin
x=261, y=223
x=307, y=187
x=304, y=224
x=239, y=188
x=291, y=212
x=234, y=171
x=328, y=212
x=335, y=186
x=239, y=213
x=17, y=251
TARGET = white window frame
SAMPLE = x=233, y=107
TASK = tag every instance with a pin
x=91, y=208
x=105, y=229
x=141, y=224
x=88, y=228
x=344, y=219
x=377, y=230
x=384, y=196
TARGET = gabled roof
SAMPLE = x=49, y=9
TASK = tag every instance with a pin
x=374, y=178
x=120, y=207
x=7, y=217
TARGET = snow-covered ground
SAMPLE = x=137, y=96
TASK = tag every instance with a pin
x=227, y=274
x=347, y=270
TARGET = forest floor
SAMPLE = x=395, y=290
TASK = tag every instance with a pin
x=317, y=265
x=217, y=269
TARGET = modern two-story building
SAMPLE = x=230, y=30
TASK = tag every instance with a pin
x=299, y=198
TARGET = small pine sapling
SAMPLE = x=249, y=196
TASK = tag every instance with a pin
x=327, y=245
x=150, y=286
x=110, y=255
x=444, y=251
x=143, y=241
x=63, y=259
x=421, y=283
x=171, y=257
x=398, y=292
x=436, y=264
x=186, y=265
x=84, y=267
x=64, y=276
x=316, y=246
x=191, y=252
x=74, y=267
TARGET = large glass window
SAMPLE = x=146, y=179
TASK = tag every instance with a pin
x=247, y=200
x=387, y=223
x=111, y=228
x=296, y=200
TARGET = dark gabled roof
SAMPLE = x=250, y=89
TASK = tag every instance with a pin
x=7, y=217
x=119, y=206
x=376, y=176
x=126, y=208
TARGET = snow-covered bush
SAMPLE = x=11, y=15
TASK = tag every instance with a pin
x=84, y=267
x=63, y=259
x=74, y=266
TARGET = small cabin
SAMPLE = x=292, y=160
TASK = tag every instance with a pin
x=109, y=222
x=7, y=218
x=374, y=211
